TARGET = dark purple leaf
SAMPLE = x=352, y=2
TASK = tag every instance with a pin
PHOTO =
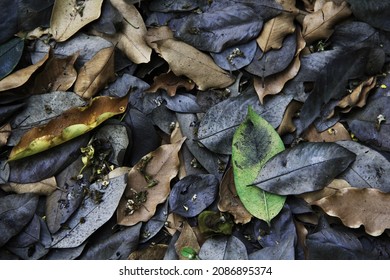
x=223, y=248
x=10, y=53
x=374, y=12
x=281, y=251
x=155, y=224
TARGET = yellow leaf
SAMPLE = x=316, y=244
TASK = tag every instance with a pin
x=70, y=124
x=96, y=73
x=69, y=16
x=356, y=207
x=149, y=184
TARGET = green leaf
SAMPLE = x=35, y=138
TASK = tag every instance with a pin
x=189, y=253
x=10, y=53
x=254, y=143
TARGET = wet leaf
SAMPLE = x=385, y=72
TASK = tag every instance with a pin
x=368, y=125
x=374, y=12
x=10, y=53
x=130, y=36
x=303, y=168
x=333, y=134
x=16, y=211
x=214, y=223
x=44, y=187
x=229, y=200
x=109, y=19
x=65, y=253
x=4, y=175
x=192, y=194
x=188, y=61
x=223, y=248
x=95, y=74
x=217, y=127
x=182, y=103
x=254, y=142
x=118, y=246
x=149, y=184
x=155, y=224
x=69, y=16
x=70, y=124
x=170, y=83
x=369, y=170
x=319, y=25
x=20, y=77
x=282, y=251
x=219, y=27
x=367, y=207
x=58, y=74
x=332, y=188
x=94, y=213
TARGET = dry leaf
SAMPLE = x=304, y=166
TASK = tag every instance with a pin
x=21, y=76
x=275, y=30
x=174, y=223
x=229, y=200
x=287, y=125
x=319, y=25
x=149, y=184
x=44, y=187
x=58, y=74
x=186, y=60
x=335, y=133
x=358, y=96
x=176, y=135
x=301, y=236
x=187, y=238
x=130, y=38
x=170, y=82
x=156, y=34
x=69, y=16
x=274, y=84
x=153, y=252
x=70, y=124
x=5, y=132
x=332, y=188
x=96, y=73
x=356, y=207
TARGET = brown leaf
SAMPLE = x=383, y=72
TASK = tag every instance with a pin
x=184, y=59
x=332, y=188
x=21, y=76
x=358, y=96
x=335, y=133
x=170, y=82
x=176, y=135
x=174, y=223
x=187, y=238
x=156, y=34
x=275, y=30
x=58, y=74
x=5, y=132
x=301, y=234
x=149, y=184
x=153, y=252
x=70, y=124
x=287, y=125
x=130, y=38
x=44, y=187
x=274, y=84
x=69, y=16
x=319, y=25
x=229, y=200
x=96, y=73
x=356, y=207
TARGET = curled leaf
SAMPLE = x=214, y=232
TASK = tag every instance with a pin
x=70, y=124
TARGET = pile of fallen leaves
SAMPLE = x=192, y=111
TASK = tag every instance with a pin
x=194, y=129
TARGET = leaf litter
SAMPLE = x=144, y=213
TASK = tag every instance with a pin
x=195, y=130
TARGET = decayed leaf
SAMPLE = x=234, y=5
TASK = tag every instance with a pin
x=70, y=124
x=254, y=142
x=154, y=252
x=275, y=30
x=358, y=96
x=187, y=238
x=335, y=133
x=319, y=25
x=303, y=168
x=170, y=82
x=96, y=73
x=130, y=38
x=229, y=200
x=44, y=187
x=199, y=67
x=332, y=188
x=5, y=131
x=356, y=207
x=58, y=74
x=149, y=184
x=274, y=84
x=287, y=125
x=69, y=16
x=20, y=77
